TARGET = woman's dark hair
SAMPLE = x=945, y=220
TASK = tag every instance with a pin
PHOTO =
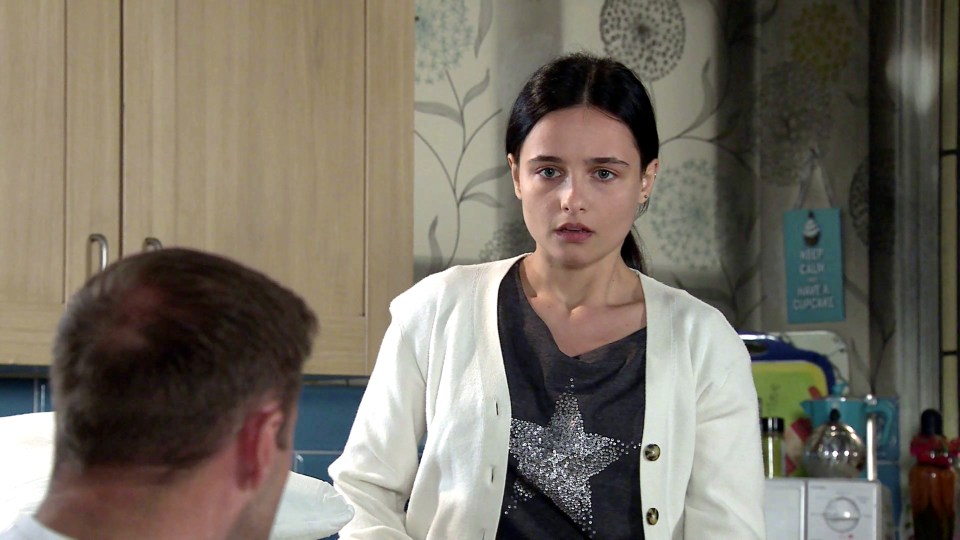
x=583, y=79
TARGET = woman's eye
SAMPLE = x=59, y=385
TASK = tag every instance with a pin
x=604, y=174
x=549, y=172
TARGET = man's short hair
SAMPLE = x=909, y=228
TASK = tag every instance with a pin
x=159, y=358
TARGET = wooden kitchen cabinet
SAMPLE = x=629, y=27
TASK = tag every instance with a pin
x=59, y=160
x=275, y=132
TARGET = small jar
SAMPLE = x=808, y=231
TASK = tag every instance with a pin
x=771, y=436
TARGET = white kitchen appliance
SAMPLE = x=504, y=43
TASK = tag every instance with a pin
x=827, y=509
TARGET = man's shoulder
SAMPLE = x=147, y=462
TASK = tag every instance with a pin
x=26, y=527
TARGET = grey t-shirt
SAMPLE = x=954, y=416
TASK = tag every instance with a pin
x=575, y=432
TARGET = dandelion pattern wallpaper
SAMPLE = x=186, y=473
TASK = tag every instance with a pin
x=442, y=34
x=646, y=36
x=762, y=108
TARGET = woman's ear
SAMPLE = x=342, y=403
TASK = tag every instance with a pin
x=515, y=174
x=648, y=179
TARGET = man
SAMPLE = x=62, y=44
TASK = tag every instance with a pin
x=176, y=376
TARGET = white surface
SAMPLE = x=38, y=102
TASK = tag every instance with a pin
x=784, y=508
x=26, y=447
x=309, y=509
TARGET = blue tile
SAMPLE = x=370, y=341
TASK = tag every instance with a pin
x=315, y=465
x=888, y=473
x=326, y=415
x=890, y=451
x=16, y=396
x=45, y=393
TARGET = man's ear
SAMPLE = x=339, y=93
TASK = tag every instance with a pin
x=257, y=446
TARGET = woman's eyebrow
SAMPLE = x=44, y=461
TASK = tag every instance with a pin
x=545, y=159
x=589, y=161
x=606, y=161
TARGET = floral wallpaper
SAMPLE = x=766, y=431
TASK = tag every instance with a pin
x=762, y=107
x=443, y=34
x=813, y=140
x=646, y=36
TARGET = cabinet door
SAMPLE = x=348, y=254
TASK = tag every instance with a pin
x=245, y=133
x=59, y=160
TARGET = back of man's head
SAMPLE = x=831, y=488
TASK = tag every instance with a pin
x=159, y=357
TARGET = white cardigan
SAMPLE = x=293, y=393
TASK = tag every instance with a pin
x=440, y=375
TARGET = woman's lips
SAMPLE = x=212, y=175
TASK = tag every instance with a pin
x=573, y=233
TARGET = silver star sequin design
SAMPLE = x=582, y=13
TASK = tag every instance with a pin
x=560, y=459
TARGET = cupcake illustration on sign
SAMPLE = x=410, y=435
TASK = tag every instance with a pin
x=811, y=231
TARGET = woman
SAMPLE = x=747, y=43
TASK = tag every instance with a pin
x=564, y=393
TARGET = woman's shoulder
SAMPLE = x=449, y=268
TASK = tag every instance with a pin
x=677, y=300
x=455, y=284
x=695, y=330
x=687, y=315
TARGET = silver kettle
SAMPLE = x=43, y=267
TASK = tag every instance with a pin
x=834, y=450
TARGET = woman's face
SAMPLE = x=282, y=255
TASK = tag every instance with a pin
x=579, y=181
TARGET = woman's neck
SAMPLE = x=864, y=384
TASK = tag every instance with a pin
x=605, y=283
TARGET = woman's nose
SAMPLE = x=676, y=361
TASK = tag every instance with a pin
x=571, y=196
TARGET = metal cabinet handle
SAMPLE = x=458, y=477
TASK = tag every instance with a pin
x=97, y=238
x=151, y=244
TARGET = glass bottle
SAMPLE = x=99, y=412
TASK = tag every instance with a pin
x=932, y=481
x=771, y=437
x=954, y=449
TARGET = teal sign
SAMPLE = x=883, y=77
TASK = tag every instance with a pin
x=814, y=263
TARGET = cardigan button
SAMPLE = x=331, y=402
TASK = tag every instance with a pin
x=651, y=452
x=653, y=516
